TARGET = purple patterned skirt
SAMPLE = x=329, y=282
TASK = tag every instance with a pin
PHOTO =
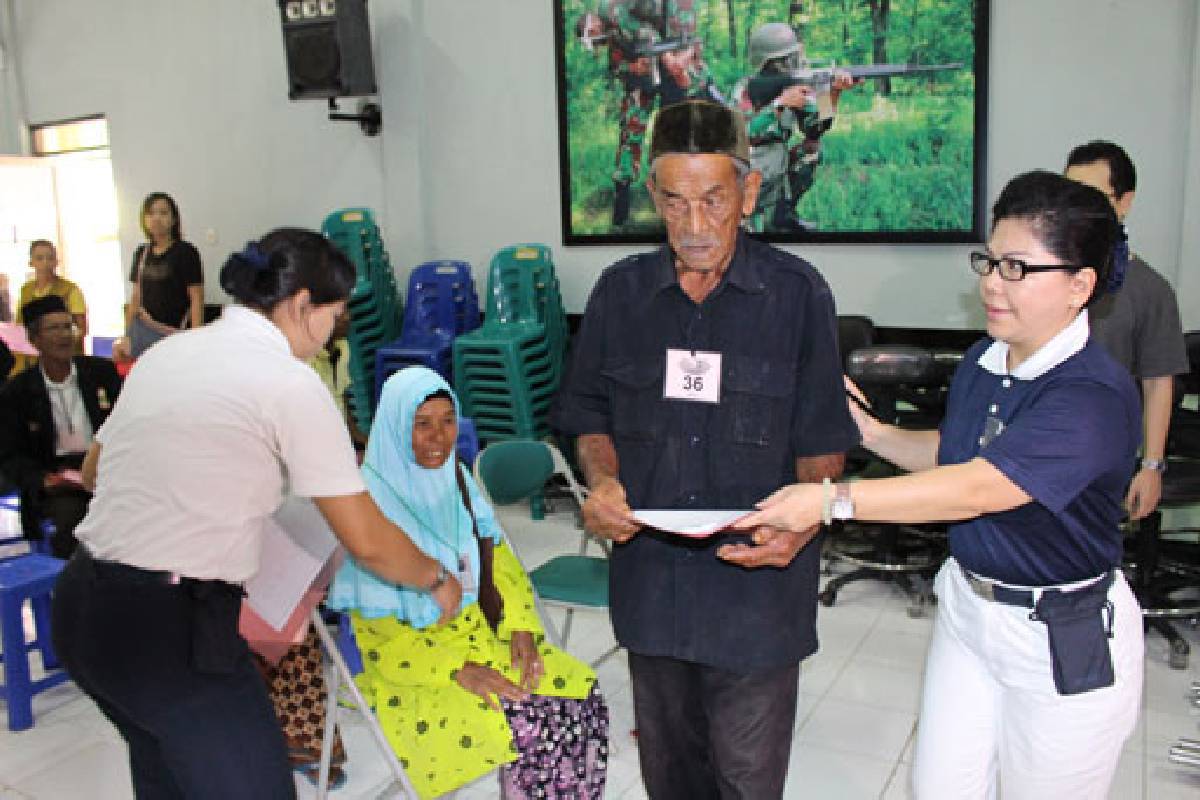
x=562, y=745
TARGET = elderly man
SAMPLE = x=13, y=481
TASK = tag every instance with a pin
x=705, y=376
x=1137, y=321
x=48, y=415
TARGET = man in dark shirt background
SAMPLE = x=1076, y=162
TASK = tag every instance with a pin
x=49, y=414
x=706, y=375
x=1137, y=321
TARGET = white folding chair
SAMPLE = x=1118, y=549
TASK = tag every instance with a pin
x=338, y=673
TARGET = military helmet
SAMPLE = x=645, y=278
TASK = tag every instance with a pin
x=773, y=40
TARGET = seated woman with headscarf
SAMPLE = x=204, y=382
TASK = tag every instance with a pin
x=483, y=691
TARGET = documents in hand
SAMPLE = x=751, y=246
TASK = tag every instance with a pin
x=297, y=563
x=688, y=521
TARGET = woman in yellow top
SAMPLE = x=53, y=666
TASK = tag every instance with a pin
x=43, y=260
x=483, y=691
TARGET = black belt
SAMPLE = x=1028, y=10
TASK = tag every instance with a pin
x=1022, y=598
x=126, y=573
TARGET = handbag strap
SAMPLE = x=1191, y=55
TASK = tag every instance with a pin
x=141, y=265
x=490, y=600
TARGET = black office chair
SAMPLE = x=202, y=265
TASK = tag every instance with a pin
x=906, y=386
x=1164, y=565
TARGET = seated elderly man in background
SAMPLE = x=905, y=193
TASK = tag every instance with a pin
x=49, y=413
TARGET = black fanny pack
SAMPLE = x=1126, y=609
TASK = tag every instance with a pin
x=1079, y=624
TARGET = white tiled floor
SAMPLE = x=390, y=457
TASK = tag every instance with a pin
x=854, y=727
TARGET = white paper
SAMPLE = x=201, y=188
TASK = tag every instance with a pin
x=688, y=521
x=297, y=542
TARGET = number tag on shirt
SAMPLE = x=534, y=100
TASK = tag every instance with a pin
x=466, y=576
x=693, y=375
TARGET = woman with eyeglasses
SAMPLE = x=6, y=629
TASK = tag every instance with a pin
x=1034, y=672
x=48, y=415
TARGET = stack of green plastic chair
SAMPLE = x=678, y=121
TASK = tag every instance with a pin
x=376, y=308
x=508, y=371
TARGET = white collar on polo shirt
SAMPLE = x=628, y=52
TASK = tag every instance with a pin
x=71, y=381
x=252, y=320
x=1064, y=344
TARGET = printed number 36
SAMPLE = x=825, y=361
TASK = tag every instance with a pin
x=693, y=383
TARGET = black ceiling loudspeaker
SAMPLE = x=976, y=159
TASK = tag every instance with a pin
x=328, y=48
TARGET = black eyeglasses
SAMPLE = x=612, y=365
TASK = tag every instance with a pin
x=1012, y=269
x=58, y=327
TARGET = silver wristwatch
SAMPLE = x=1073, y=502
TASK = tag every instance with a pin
x=1156, y=464
x=842, y=506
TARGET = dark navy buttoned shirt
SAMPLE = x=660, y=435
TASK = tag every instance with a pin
x=772, y=320
x=1068, y=438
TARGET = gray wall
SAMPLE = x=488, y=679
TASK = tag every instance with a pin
x=195, y=93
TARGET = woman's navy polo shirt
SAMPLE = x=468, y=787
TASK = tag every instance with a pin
x=1069, y=439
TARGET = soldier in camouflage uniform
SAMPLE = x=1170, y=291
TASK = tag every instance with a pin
x=785, y=135
x=627, y=26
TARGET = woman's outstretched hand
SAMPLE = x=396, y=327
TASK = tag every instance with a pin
x=795, y=508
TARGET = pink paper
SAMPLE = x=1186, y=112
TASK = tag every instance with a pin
x=72, y=475
x=270, y=643
x=13, y=335
x=273, y=644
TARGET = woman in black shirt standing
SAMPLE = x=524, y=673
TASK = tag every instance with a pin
x=168, y=281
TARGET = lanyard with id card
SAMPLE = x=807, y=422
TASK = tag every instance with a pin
x=466, y=575
x=692, y=375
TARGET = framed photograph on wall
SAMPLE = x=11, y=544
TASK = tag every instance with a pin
x=867, y=118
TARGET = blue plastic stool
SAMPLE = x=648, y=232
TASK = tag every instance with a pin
x=441, y=297
x=434, y=354
x=32, y=578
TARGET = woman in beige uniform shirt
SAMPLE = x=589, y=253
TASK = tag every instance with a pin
x=210, y=425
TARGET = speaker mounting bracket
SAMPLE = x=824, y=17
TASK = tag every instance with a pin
x=369, y=116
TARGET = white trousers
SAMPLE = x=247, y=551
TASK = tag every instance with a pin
x=993, y=725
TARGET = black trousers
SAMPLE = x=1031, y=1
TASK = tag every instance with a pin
x=125, y=637
x=709, y=733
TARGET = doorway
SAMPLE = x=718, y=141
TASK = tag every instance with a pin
x=65, y=193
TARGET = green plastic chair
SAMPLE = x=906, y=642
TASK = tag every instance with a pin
x=496, y=374
x=510, y=471
x=376, y=306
